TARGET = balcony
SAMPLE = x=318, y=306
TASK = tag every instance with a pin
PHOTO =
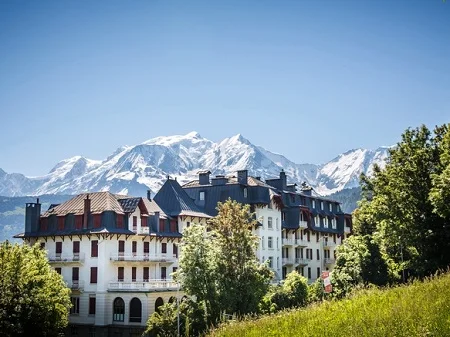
x=287, y=261
x=141, y=230
x=301, y=262
x=163, y=258
x=75, y=285
x=301, y=242
x=74, y=258
x=303, y=224
x=329, y=261
x=143, y=285
x=329, y=243
x=287, y=242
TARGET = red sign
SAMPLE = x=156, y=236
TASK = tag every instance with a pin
x=325, y=274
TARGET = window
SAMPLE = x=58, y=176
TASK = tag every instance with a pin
x=146, y=273
x=245, y=192
x=202, y=195
x=309, y=272
x=92, y=305
x=133, y=274
x=76, y=249
x=269, y=242
x=93, y=274
x=75, y=275
x=146, y=248
x=333, y=223
x=119, y=221
x=278, y=262
x=325, y=222
x=269, y=222
x=144, y=221
x=135, y=310
x=134, y=247
x=318, y=272
x=321, y=205
x=121, y=248
x=164, y=248
x=270, y=261
x=276, y=223
x=134, y=222
x=58, y=248
x=58, y=270
x=120, y=274
x=262, y=242
x=330, y=207
x=42, y=245
x=174, y=269
x=75, y=309
x=163, y=273
x=175, y=250
x=317, y=221
x=308, y=236
x=60, y=223
x=78, y=221
x=318, y=254
x=97, y=220
x=173, y=226
x=159, y=302
x=94, y=248
x=118, y=310
x=278, y=243
x=313, y=203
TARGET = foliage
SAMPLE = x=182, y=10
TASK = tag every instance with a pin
x=164, y=322
x=404, y=206
x=34, y=300
x=418, y=309
x=291, y=294
x=359, y=261
x=218, y=266
x=315, y=291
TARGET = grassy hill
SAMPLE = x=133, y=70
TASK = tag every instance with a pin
x=419, y=309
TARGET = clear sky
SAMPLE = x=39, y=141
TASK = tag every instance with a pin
x=308, y=79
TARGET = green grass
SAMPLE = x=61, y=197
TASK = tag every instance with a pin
x=418, y=309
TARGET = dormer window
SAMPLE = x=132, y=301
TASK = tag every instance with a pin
x=330, y=207
x=202, y=195
x=313, y=202
x=321, y=205
x=245, y=192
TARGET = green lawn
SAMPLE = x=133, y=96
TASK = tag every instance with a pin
x=419, y=309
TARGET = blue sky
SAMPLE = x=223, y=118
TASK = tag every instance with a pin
x=308, y=79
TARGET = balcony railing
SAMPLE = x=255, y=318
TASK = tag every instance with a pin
x=66, y=258
x=329, y=243
x=329, y=261
x=76, y=284
x=287, y=242
x=169, y=258
x=143, y=285
x=301, y=261
x=287, y=260
x=140, y=230
x=301, y=242
x=303, y=224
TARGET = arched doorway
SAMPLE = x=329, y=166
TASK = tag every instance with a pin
x=172, y=299
x=118, y=310
x=159, y=302
x=135, y=310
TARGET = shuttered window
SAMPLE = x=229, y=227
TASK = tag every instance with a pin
x=146, y=247
x=175, y=250
x=146, y=274
x=133, y=274
x=94, y=248
x=76, y=247
x=173, y=226
x=43, y=224
x=97, y=220
x=134, y=247
x=78, y=221
x=92, y=303
x=144, y=221
x=58, y=270
x=120, y=274
x=60, y=223
x=75, y=274
x=93, y=274
x=164, y=248
x=119, y=221
x=134, y=221
x=121, y=246
x=58, y=249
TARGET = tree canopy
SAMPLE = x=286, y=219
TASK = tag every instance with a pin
x=34, y=300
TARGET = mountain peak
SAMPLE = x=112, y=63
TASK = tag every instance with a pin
x=193, y=134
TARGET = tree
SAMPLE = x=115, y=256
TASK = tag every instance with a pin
x=403, y=206
x=34, y=300
x=218, y=264
x=293, y=293
x=359, y=262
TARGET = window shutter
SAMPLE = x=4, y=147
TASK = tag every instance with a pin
x=146, y=247
x=120, y=273
x=144, y=221
x=163, y=247
x=92, y=305
x=119, y=221
x=133, y=274
x=94, y=248
x=93, y=274
x=60, y=223
x=97, y=220
x=121, y=246
x=58, y=248
x=134, y=247
x=78, y=221
x=76, y=247
x=146, y=274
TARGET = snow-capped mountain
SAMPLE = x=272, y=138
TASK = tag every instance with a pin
x=134, y=169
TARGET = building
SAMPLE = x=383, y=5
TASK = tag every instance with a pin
x=298, y=229
x=116, y=253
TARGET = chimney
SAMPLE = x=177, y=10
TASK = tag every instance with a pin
x=283, y=180
x=203, y=177
x=87, y=210
x=306, y=189
x=242, y=177
x=149, y=195
x=32, y=216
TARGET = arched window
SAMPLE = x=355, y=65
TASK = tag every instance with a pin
x=172, y=299
x=118, y=310
x=135, y=310
x=159, y=302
